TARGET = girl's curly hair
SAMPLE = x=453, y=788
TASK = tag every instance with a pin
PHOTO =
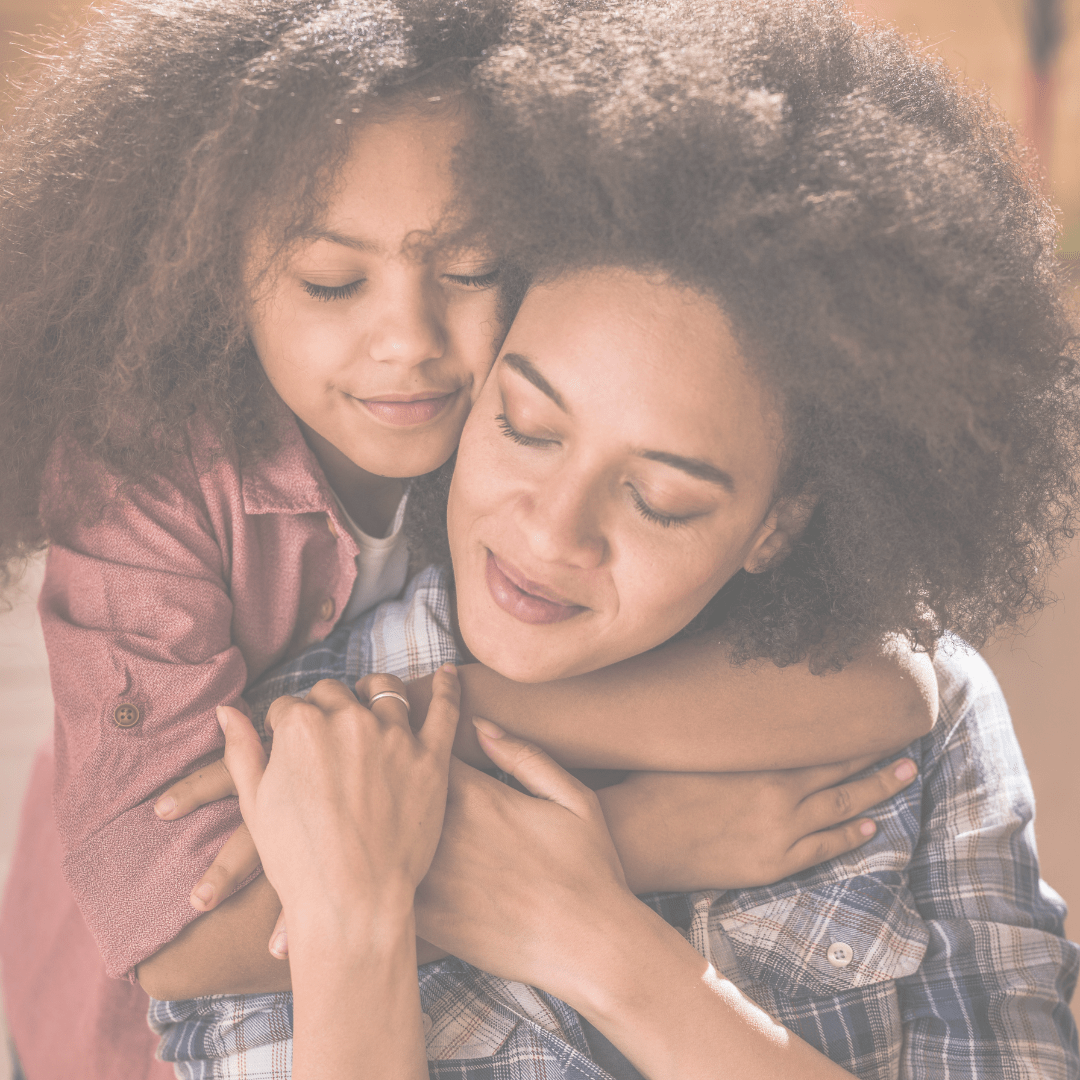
x=134, y=169
x=886, y=260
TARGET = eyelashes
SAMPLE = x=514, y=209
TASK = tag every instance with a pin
x=665, y=521
x=515, y=436
x=326, y=293
x=476, y=281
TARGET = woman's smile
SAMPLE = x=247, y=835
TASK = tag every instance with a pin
x=523, y=599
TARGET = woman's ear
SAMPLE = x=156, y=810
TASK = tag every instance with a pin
x=781, y=528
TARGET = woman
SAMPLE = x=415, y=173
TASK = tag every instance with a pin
x=733, y=394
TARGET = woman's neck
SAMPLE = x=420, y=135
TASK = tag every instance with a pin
x=370, y=500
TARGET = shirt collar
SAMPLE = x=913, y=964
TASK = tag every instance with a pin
x=289, y=480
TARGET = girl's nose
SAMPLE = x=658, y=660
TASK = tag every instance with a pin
x=407, y=325
x=562, y=519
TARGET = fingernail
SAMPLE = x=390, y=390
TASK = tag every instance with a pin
x=868, y=828
x=905, y=770
x=165, y=806
x=486, y=727
x=203, y=893
x=222, y=717
x=280, y=947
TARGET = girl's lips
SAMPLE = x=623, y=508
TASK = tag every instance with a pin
x=408, y=413
x=524, y=606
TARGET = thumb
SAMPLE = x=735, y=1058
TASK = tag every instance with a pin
x=535, y=770
x=244, y=755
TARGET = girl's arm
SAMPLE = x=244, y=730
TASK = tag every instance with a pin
x=672, y=831
x=686, y=708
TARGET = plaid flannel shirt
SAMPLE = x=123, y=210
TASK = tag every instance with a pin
x=933, y=951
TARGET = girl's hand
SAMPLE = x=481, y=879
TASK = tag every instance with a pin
x=514, y=876
x=678, y=832
x=351, y=807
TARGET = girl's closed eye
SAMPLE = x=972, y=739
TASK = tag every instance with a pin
x=326, y=293
x=487, y=280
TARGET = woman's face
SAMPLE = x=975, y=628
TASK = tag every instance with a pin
x=618, y=468
x=375, y=338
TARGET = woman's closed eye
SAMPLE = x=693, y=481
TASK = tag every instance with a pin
x=667, y=521
x=518, y=437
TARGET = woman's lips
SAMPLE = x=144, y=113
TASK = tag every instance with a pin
x=403, y=412
x=525, y=606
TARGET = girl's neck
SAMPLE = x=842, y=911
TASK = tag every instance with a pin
x=370, y=500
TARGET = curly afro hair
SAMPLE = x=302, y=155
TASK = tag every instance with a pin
x=136, y=165
x=886, y=261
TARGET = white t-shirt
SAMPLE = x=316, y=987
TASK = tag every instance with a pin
x=382, y=566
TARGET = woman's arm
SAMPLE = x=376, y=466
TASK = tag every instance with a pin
x=686, y=708
x=567, y=923
x=347, y=819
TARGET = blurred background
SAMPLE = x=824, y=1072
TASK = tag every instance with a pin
x=1026, y=54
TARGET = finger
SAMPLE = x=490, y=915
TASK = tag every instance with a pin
x=234, y=863
x=536, y=771
x=244, y=755
x=440, y=724
x=819, y=847
x=390, y=710
x=205, y=785
x=330, y=695
x=279, y=939
x=814, y=778
x=279, y=708
x=844, y=801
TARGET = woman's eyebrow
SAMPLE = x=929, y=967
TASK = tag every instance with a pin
x=702, y=470
x=527, y=370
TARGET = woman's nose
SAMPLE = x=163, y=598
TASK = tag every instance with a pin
x=407, y=325
x=562, y=520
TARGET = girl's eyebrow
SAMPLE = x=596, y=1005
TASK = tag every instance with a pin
x=695, y=467
x=355, y=242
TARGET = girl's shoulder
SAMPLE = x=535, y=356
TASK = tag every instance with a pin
x=205, y=482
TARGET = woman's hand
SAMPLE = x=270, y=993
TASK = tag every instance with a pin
x=352, y=803
x=678, y=832
x=518, y=880
x=347, y=816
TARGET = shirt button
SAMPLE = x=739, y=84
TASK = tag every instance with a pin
x=426, y=1020
x=126, y=715
x=840, y=954
x=326, y=611
x=331, y=526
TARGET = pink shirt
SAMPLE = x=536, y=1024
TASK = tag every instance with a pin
x=155, y=610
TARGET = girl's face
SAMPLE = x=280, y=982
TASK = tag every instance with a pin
x=619, y=467
x=376, y=340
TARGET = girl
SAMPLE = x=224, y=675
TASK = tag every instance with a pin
x=241, y=307
x=661, y=428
